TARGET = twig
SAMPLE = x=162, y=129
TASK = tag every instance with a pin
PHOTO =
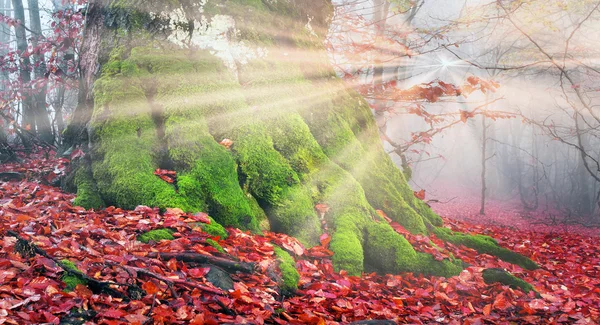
x=443, y=202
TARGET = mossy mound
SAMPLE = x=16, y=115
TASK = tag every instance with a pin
x=71, y=280
x=289, y=274
x=485, y=245
x=495, y=275
x=156, y=235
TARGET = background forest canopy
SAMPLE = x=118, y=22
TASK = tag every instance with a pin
x=497, y=96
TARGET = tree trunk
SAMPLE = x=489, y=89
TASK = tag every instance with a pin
x=28, y=111
x=89, y=60
x=484, y=139
x=42, y=119
x=4, y=39
x=295, y=136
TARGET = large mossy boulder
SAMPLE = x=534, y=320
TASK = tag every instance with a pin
x=239, y=98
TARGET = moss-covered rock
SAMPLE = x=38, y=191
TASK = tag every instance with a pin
x=156, y=235
x=485, y=245
x=71, y=280
x=495, y=275
x=289, y=274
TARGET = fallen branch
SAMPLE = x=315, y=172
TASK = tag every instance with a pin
x=11, y=176
x=193, y=257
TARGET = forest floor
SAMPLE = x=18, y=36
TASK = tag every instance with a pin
x=103, y=245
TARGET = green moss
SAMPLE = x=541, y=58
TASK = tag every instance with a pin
x=357, y=114
x=216, y=174
x=324, y=181
x=349, y=211
x=335, y=135
x=428, y=265
x=87, y=193
x=271, y=179
x=216, y=245
x=124, y=135
x=190, y=90
x=264, y=223
x=485, y=245
x=275, y=156
x=70, y=266
x=213, y=228
x=389, y=252
x=209, y=171
x=71, y=280
x=292, y=137
x=348, y=251
x=188, y=188
x=349, y=215
x=156, y=235
x=290, y=275
x=498, y=275
x=267, y=173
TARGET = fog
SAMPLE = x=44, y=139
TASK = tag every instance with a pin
x=543, y=155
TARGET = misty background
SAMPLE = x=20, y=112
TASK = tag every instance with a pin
x=544, y=157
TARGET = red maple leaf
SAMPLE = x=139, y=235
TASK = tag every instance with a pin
x=420, y=194
x=168, y=176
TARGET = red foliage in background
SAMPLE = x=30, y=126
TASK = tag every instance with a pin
x=58, y=49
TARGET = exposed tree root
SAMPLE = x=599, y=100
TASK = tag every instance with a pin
x=193, y=257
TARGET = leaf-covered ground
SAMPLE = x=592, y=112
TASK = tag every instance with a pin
x=103, y=245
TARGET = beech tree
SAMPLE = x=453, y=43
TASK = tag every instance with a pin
x=239, y=101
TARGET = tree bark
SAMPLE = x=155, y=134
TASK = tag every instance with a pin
x=4, y=39
x=28, y=111
x=89, y=69
x=42, y=119
x=483, y=164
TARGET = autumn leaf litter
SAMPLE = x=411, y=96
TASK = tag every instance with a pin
x=99, y=243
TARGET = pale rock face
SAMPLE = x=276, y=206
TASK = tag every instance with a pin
x=217, y=34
